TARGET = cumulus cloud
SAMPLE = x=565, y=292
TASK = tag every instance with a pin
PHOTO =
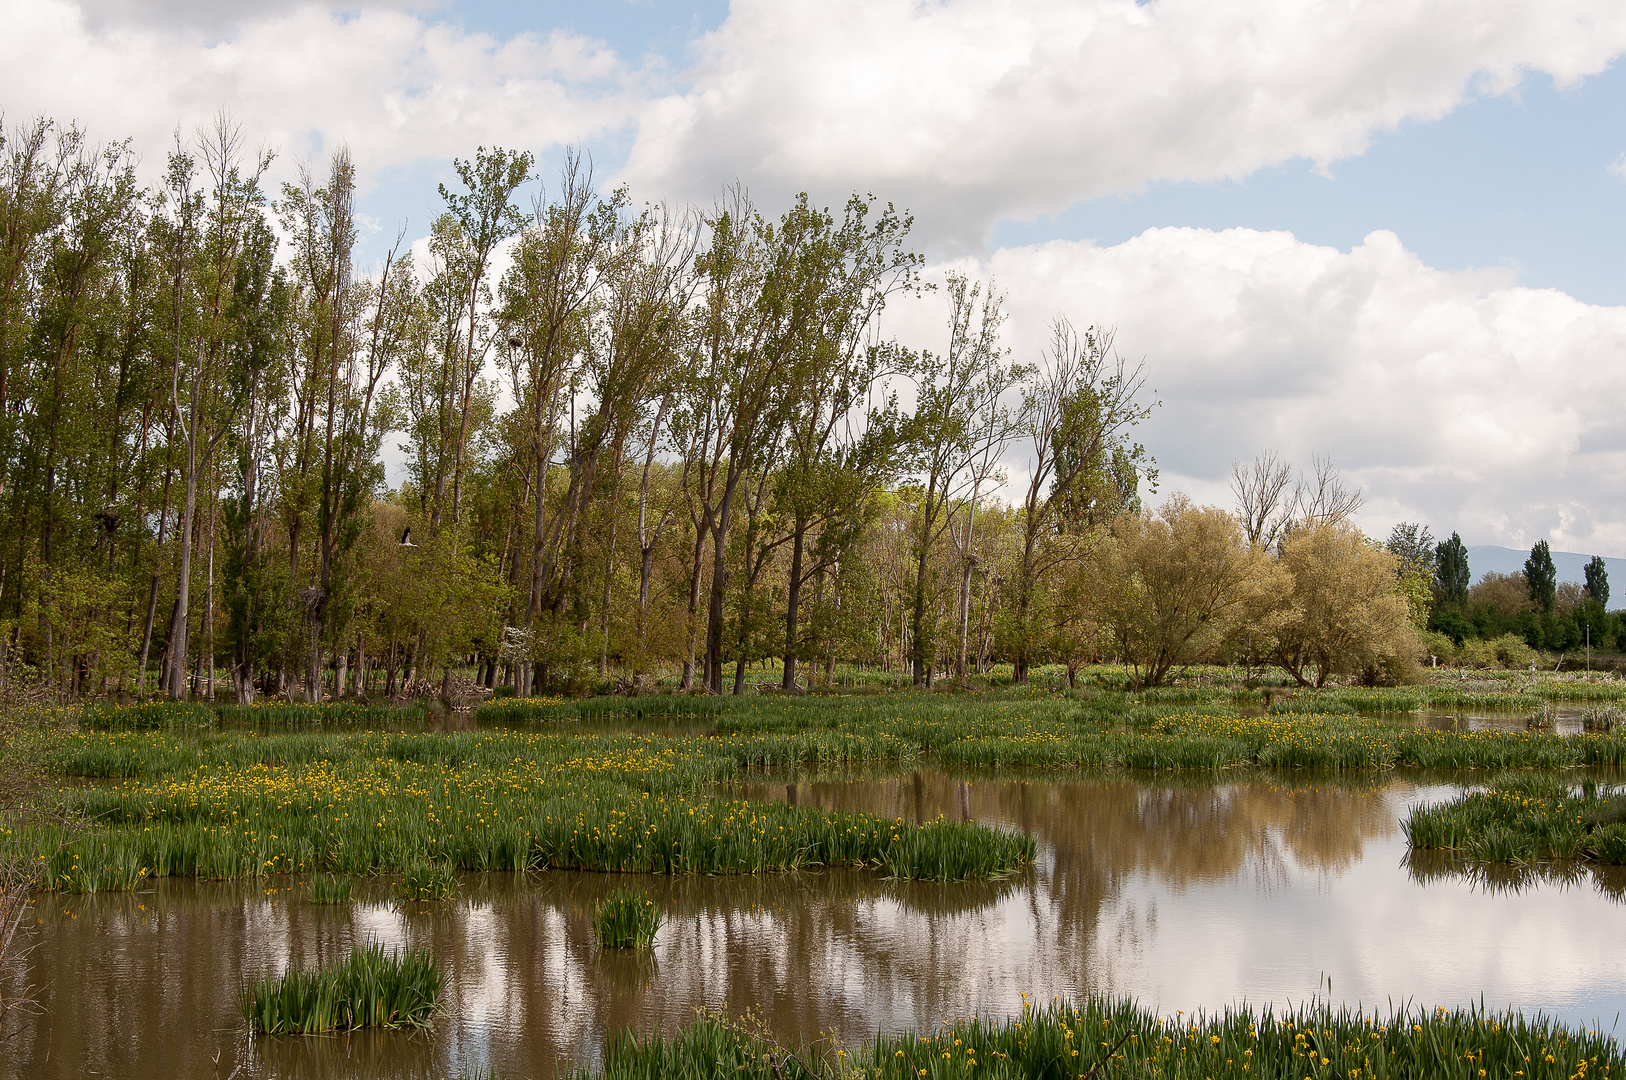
x=1459, y=399
x=973, y=110
x=397, y=88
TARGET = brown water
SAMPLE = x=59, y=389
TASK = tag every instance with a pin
x=1185, y=895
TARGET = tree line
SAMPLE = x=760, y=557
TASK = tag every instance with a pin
x=1506, y=617
x=635, y=438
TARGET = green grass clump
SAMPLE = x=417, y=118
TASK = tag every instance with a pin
x=331, y=888
x=106, y=716
x=516, y=710
x=956, y=851
x=327, y=714
x=369, y=988
x=1523, y=819
x=651, y=706
x=625, y=919
x=1104, y=1037
x=1602, y=718
x=427, y=879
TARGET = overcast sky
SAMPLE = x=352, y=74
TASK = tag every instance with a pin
x=1387, y=231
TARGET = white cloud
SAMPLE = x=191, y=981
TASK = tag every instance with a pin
x=398, y=89
x=1458, y=399
x=973, y=110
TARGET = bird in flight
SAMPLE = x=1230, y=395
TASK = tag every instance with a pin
x=406, y=538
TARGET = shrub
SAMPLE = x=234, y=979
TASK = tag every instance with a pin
x=1512, y=652
x=1477, y=653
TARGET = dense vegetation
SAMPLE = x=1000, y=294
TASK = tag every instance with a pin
x=660, y=441
x=1105, y=1037
x=1523, y=819
x=368, y=988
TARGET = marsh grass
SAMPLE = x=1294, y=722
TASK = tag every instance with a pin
x=107, y=716
x=331, y=888
x=242, y=805
x=369, y=988
x=1103, y=1037
x=427, y=879
x=1524, y=819
x=1602, y=718
x=650, y=706
x=625, y=919
x=513, y=710
x=956, y=851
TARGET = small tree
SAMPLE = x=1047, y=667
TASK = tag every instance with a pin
x=1345, y=611
x=1541, y=576
x=1171, y=586
x=1597, y=581
x=1413, y=549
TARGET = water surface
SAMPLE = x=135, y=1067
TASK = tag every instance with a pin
x=1187, y=895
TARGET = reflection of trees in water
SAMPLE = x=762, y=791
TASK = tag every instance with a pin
x=810, y=952
x=1511, y=878
x=1183, y=831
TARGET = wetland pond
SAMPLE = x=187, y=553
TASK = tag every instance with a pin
x=1185, y=893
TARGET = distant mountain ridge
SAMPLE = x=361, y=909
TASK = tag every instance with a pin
x=1483, y=558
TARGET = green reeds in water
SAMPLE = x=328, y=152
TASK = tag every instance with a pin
x=331, y=888
x=956, y=851
x=106, y=716
x=427, y=879
x=369, y=988
x=625, y=919
x=1114, y=1038
x=1522, y=819
x=1602, y=718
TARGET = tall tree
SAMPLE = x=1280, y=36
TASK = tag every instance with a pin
x=482, y=216
x=1597, y=580
x=1541, y=576
x=1076, y=414
x=210, y=233
x=960, y=419
x=1451, y=574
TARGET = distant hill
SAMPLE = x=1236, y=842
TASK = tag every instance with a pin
x=1483, y=558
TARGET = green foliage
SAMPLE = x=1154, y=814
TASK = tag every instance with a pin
x=106, y=716
x=625, y=919
x=1597, y=581
x=1451, y=574
x=1110, y=1037
x=1521, y=819
x=427, y=879
x=956, y=851
x=1541, y=576
x=331, y=888
x=369, y=988
x=513, y=710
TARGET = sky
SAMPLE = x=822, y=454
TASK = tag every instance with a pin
x=1385, y=232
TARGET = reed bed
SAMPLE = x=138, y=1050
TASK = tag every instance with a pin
x=651, y=706
x=244, y=805
x=510, y=710
x=332, y=888
x=107, y=716
x=161, y=715
x=1524, y=819
x=369, y=988
x=625, y=919
x=327, y=714
x=1104, y=1037
x=427, y=879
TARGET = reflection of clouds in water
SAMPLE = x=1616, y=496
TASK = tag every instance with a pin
x=1184, y=893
